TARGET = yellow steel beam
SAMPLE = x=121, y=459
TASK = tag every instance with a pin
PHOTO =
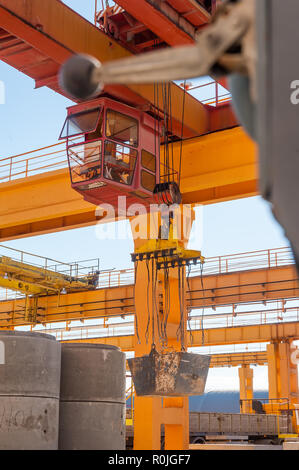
x=35, y=280
x=217, y=336
x=217, y=167
x=25, y=287
x=55, y=31
x=221, y=289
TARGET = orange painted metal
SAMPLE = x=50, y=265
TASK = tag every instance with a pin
x=282, y=357
x=283, y=371
x=230, y=286
x=50, y=203
x=192, y=11
x=218, y=336
x=246, y=388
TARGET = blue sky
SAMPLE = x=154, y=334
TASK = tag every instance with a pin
x=33, y=118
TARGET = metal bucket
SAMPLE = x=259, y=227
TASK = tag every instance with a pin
x=169, y=374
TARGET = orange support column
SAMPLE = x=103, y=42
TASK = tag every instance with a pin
x=176, y=410
x=283, y=371
x=147, y=410
x=246, y=388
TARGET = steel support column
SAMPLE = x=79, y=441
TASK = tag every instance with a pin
x=246, y=387
x=283, y=371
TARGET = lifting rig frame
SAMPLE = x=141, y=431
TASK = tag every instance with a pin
x=151, y=413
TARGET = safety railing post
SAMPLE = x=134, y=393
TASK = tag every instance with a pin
x=10, y=169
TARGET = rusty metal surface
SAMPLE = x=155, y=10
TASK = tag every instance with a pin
x=170, y=374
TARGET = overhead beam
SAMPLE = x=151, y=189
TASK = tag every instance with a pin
x=215, y=168
x=217, y=336
x=162, y=19
x=246, y=286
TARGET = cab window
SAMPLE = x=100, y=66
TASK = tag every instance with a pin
x=148, y=161
x=148, y=180
x=119, y=162
x=122, y=128
x=80, y=123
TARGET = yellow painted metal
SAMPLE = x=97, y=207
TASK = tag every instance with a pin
x=40, y=277
x=40, y=204
x=217, y=167
x=36, y=280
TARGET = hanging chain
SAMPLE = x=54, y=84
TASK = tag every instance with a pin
x=182, y=132
x=189, y=321
x=180, y=330
x=147, y=300
x=153, y=306
x=136, y=320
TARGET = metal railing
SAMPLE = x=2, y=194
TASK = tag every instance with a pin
x=74, y=269
x=263, y=259
x=34, y=162
x=210, y=93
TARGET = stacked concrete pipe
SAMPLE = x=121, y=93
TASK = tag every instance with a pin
x=92, y=397
x=29, y=391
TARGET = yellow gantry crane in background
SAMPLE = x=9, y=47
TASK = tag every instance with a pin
x=45, y=277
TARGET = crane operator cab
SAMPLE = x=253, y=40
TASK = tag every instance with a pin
x=113, y=150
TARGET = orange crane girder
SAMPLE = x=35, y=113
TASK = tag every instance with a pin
x=35, y=43
x=217, y=167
